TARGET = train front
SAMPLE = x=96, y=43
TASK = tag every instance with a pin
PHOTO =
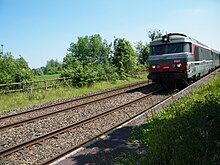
x=168, y=58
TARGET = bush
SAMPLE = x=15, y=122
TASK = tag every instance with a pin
x=13, y=70
x=186, y=132
x=86, y=76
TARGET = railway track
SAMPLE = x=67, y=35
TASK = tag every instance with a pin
x=8, y=114
x=38, y=127
x=57, y=141
x=12, y=120
x=88, y=129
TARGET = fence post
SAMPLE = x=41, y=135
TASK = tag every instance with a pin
x=45, y=82
x=31, y=86
x=22, y=86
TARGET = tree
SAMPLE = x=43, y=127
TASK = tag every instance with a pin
x=88, y=60
x=38, y=72
x=153, y=34
x=52, y=67
x=90, y=49
x=14, y=70
x=23, y=72
x=123, y=58
x=143, y=51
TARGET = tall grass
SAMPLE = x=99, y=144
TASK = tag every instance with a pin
x=185, y=132
x=19, y=100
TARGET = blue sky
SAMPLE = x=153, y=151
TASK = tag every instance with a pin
x=41, y=30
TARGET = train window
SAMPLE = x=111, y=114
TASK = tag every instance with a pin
x=196, y=53
x=178, y=48
x=157, y=50
x=204, y=54
x=170, y=48
x=209, y=55
x=187, y=47
x=175, y=48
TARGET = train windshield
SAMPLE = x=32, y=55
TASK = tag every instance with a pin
x=170, y=48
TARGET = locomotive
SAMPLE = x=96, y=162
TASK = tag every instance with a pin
x=176, y=58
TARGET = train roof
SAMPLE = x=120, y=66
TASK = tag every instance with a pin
x=175, y=38
x=215, y=51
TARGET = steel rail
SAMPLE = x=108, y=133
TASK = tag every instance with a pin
x=61, y=110
x=172, y=96
x=20, y=146
x=76, y=99
x=71, y=149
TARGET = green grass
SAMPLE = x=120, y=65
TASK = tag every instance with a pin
x=185, y=132
x=19, y=100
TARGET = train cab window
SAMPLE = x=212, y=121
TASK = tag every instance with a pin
x=170, y=48
x=187, y=47
x=157, y=50
x=180, y=47
x=175, y=48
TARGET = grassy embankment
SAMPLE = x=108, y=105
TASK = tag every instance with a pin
x=18, y=100
x=185, y=132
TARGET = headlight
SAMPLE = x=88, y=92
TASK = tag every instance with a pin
x=153, y=66
x=178, y=65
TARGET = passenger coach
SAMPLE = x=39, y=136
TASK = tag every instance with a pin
x=177, y=58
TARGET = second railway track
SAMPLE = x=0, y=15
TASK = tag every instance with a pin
x=17, y=112
x=11, y=120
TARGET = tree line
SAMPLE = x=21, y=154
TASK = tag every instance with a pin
x=88, y=60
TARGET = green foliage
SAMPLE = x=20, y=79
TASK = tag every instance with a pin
x=52, y=67
x=128, y=159
x=13, y=70
x=143, y=52
x=154, y=34
x=88, y=61
x=124, y=58
x=185, y=132
x=91, y=59
x=81, y=76
x=84, y=76
x=90, y=49
x=38, y=72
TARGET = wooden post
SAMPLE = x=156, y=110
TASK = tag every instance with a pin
x=45, y=82
x=22, y=86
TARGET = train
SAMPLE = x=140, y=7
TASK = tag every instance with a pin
x=176, y=58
